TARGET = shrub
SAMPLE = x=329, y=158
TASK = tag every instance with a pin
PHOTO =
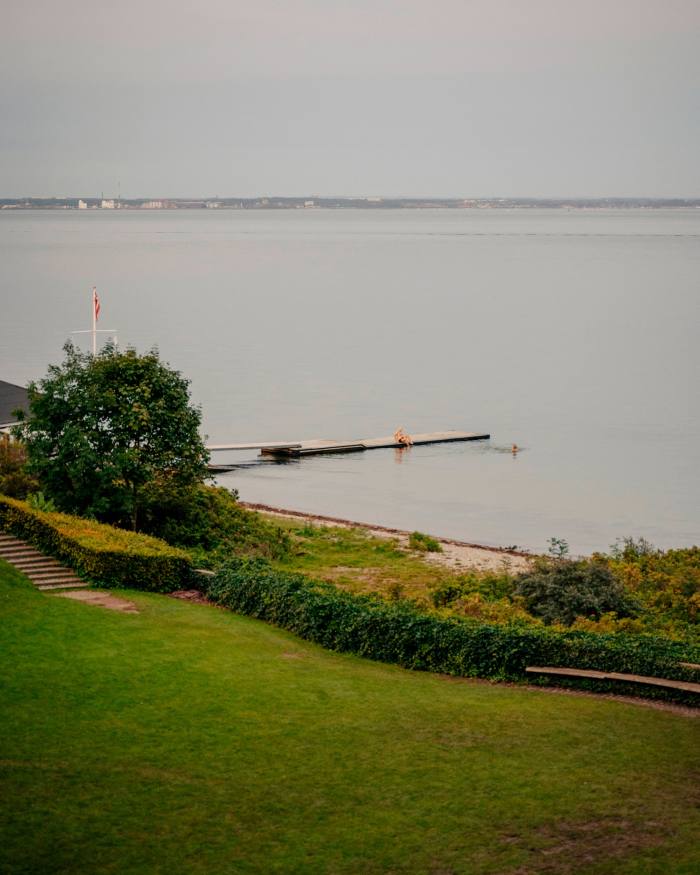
x=560, y=590
x=424, y=543
x=667, y=583
x=474, y=605
x=490, y=585
x=14, y=479
x=101, y=553
x=209, y=521
x=397, y=633
x=38, y=501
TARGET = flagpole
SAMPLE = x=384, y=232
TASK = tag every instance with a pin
x=94, y=323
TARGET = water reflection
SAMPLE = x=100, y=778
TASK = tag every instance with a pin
x=401, y=453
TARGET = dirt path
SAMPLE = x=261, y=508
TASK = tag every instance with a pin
x=99, y=600
x=455, y=554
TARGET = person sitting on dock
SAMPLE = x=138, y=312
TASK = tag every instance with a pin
x=402, y=438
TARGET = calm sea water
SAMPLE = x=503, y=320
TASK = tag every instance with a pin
x=574, y=334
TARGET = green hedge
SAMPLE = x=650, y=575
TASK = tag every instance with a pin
x=103, y=554
x=397, y=633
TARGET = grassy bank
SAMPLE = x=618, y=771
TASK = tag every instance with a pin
x=360, y=562
x=187, y=739
x=661, y=588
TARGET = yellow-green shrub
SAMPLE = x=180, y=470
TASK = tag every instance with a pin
x=101, y=553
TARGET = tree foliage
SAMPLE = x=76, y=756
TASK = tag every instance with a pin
x=14, y=479
x=101, y=428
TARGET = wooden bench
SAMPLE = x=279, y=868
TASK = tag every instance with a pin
x=686, y=686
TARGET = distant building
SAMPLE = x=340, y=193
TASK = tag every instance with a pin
x=308, y=203
x=12, y=397
x=107, y=205
x=152, y=205
x=82, y=205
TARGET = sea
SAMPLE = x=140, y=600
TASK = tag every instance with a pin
x=574, y=334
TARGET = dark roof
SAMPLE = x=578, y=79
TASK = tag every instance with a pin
x=11, y=398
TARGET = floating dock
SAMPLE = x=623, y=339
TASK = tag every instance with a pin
x=296, y=449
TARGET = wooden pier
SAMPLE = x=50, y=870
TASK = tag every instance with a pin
x=296, y=449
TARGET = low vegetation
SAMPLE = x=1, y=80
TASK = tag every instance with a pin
x=210, y=524
x=397, y=632
x=424, y=543
x=192, y=740
x=101, y=553
x=634, y=589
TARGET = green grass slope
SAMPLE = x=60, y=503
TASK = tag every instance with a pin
x=186, y=739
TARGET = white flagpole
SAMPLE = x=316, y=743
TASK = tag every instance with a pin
x=94, y=322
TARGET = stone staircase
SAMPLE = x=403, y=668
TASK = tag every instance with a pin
x=43, y=571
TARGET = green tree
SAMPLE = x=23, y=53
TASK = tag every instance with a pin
x=101, y=428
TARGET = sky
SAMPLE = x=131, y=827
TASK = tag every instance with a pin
x=444, y=98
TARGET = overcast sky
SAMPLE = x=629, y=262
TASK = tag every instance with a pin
x=395, y=97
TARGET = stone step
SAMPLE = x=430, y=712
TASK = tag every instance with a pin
x=36, y=560
x=79, y=584
x=45, y=572
x=19, y=560
x=19, y=551
x=54, y=578
x=63, y=582
x=31, y=559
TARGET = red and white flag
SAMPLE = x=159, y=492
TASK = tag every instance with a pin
x=95, y=303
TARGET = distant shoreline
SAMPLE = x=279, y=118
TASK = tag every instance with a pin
x=90, y=203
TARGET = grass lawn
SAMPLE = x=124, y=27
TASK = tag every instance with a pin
x=185, y=739
x=356, y=560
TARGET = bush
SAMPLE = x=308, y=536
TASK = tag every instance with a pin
x=209, y=521
x=424, y=543
x=14, y=479
x=397, y=633
x=667, y=583
x=490, y=585
x=101, y=553
x=560, y=590
x=38, y=501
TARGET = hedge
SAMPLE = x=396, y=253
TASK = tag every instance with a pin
x=398, y=633
x=103, y=554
